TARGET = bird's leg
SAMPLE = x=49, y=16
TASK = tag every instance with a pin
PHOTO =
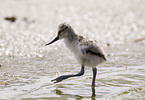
x=63, y=77
x=94, y=77
x=93, y=82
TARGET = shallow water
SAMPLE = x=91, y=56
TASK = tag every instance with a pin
x=27, y=66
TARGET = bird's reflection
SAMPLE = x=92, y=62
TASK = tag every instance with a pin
x=59, y=92
x=78, y=97
x=93, y=93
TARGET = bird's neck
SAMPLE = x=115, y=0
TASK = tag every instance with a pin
x=72, y=42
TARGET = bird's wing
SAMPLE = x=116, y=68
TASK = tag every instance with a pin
x=92, y=49
x=96, y=51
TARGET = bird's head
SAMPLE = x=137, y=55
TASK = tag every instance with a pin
x=64, y=30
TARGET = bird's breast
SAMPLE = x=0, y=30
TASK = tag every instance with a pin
x=74, y=48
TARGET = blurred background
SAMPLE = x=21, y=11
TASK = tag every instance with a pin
x=27, y=66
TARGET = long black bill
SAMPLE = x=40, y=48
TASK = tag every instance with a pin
x=57, y=38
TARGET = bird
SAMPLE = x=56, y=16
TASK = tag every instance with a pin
x=87, y=52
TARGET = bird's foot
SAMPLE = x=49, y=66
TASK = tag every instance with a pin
x=59, y=79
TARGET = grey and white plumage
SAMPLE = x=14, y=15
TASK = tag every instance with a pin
x=87, y=52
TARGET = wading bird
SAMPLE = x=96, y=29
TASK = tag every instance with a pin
x=87, y=52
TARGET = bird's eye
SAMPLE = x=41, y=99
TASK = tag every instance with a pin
x=64, y=28
x=61, y=30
